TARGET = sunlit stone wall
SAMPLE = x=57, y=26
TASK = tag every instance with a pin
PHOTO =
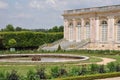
x=101, y=25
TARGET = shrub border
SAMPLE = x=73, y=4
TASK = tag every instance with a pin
x=92, y=77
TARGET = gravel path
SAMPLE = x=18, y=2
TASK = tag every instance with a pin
x=116, y=78
x=106, y=60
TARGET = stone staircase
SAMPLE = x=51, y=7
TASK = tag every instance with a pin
x=83, y=43
x=79, y=45
x=65, y=45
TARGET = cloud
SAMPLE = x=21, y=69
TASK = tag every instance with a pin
x=43, y=13
x=3, y=5
x=48, y=4
x=18, y=5
x=36, y=4
x=51, y=1
x=22, y=15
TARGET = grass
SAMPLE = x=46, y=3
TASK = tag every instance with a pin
x=23, y=68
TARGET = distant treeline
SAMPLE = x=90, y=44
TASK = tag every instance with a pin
x=10, y=27
x=28, y=39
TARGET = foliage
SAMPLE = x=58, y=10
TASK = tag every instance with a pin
x=111, y=66
x=30, y=39
x=41, y=73
x=83, y=70
x=59, y=48
x=94, y=68
x=12, y=42
x=18, y=29
x=2, y=76
x=31, y=75
x=56, y=29
x=74, y=71
x=92, y=77
x=9, y=27
x=13, y=75
x=62, y=72
x=55, y=72
x=102, y=69
x=117, y=67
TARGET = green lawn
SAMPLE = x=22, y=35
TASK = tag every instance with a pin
x=23, y=68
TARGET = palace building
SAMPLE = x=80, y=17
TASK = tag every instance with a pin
x=95, y=28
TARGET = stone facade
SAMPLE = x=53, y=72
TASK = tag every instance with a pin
x=101, y=25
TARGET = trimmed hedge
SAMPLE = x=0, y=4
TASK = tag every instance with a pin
x=92, y=77
x=29, y=39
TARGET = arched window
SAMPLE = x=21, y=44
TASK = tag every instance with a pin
x=79, y=31
x=87, y=30
x=118, y=31
x=104, y=31
x=71, y=31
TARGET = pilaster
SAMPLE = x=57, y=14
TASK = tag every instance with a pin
x=66, y=29
x=92, y=29
x=110, y=29
x=74, y=29
x=82, y=29
x=97, y=29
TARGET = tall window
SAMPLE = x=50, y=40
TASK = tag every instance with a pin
x=118, y=31
x=104, y=31
x=79, y=30
x=71, y=31
x=87, y=30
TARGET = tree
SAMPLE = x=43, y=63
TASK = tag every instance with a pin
x=61, y=28
x=18, y=29
x=1, y=42
x=9, y=27
x=55, y=29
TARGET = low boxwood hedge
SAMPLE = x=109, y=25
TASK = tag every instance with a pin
x=92, y=77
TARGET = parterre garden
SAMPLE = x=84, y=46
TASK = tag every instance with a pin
x=57, y=71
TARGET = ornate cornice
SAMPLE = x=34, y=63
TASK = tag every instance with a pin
x=92, y=10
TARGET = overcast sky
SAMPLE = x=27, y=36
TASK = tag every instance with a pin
x=36, y=14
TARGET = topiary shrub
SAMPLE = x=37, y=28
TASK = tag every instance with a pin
x=31, y=75
x=75, y=71
x=13, y=75
x=117, y=67
x=102, y=69
x=59, y=48
x=83, y=70
x=94, y=68
x=41, y=73
x=55, y=72
x=62, y=72
x=111, y=66
x=12, y=43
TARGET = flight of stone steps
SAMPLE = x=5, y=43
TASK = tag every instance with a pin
x=65, y=45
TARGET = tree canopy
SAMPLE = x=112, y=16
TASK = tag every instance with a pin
x=10, y=27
